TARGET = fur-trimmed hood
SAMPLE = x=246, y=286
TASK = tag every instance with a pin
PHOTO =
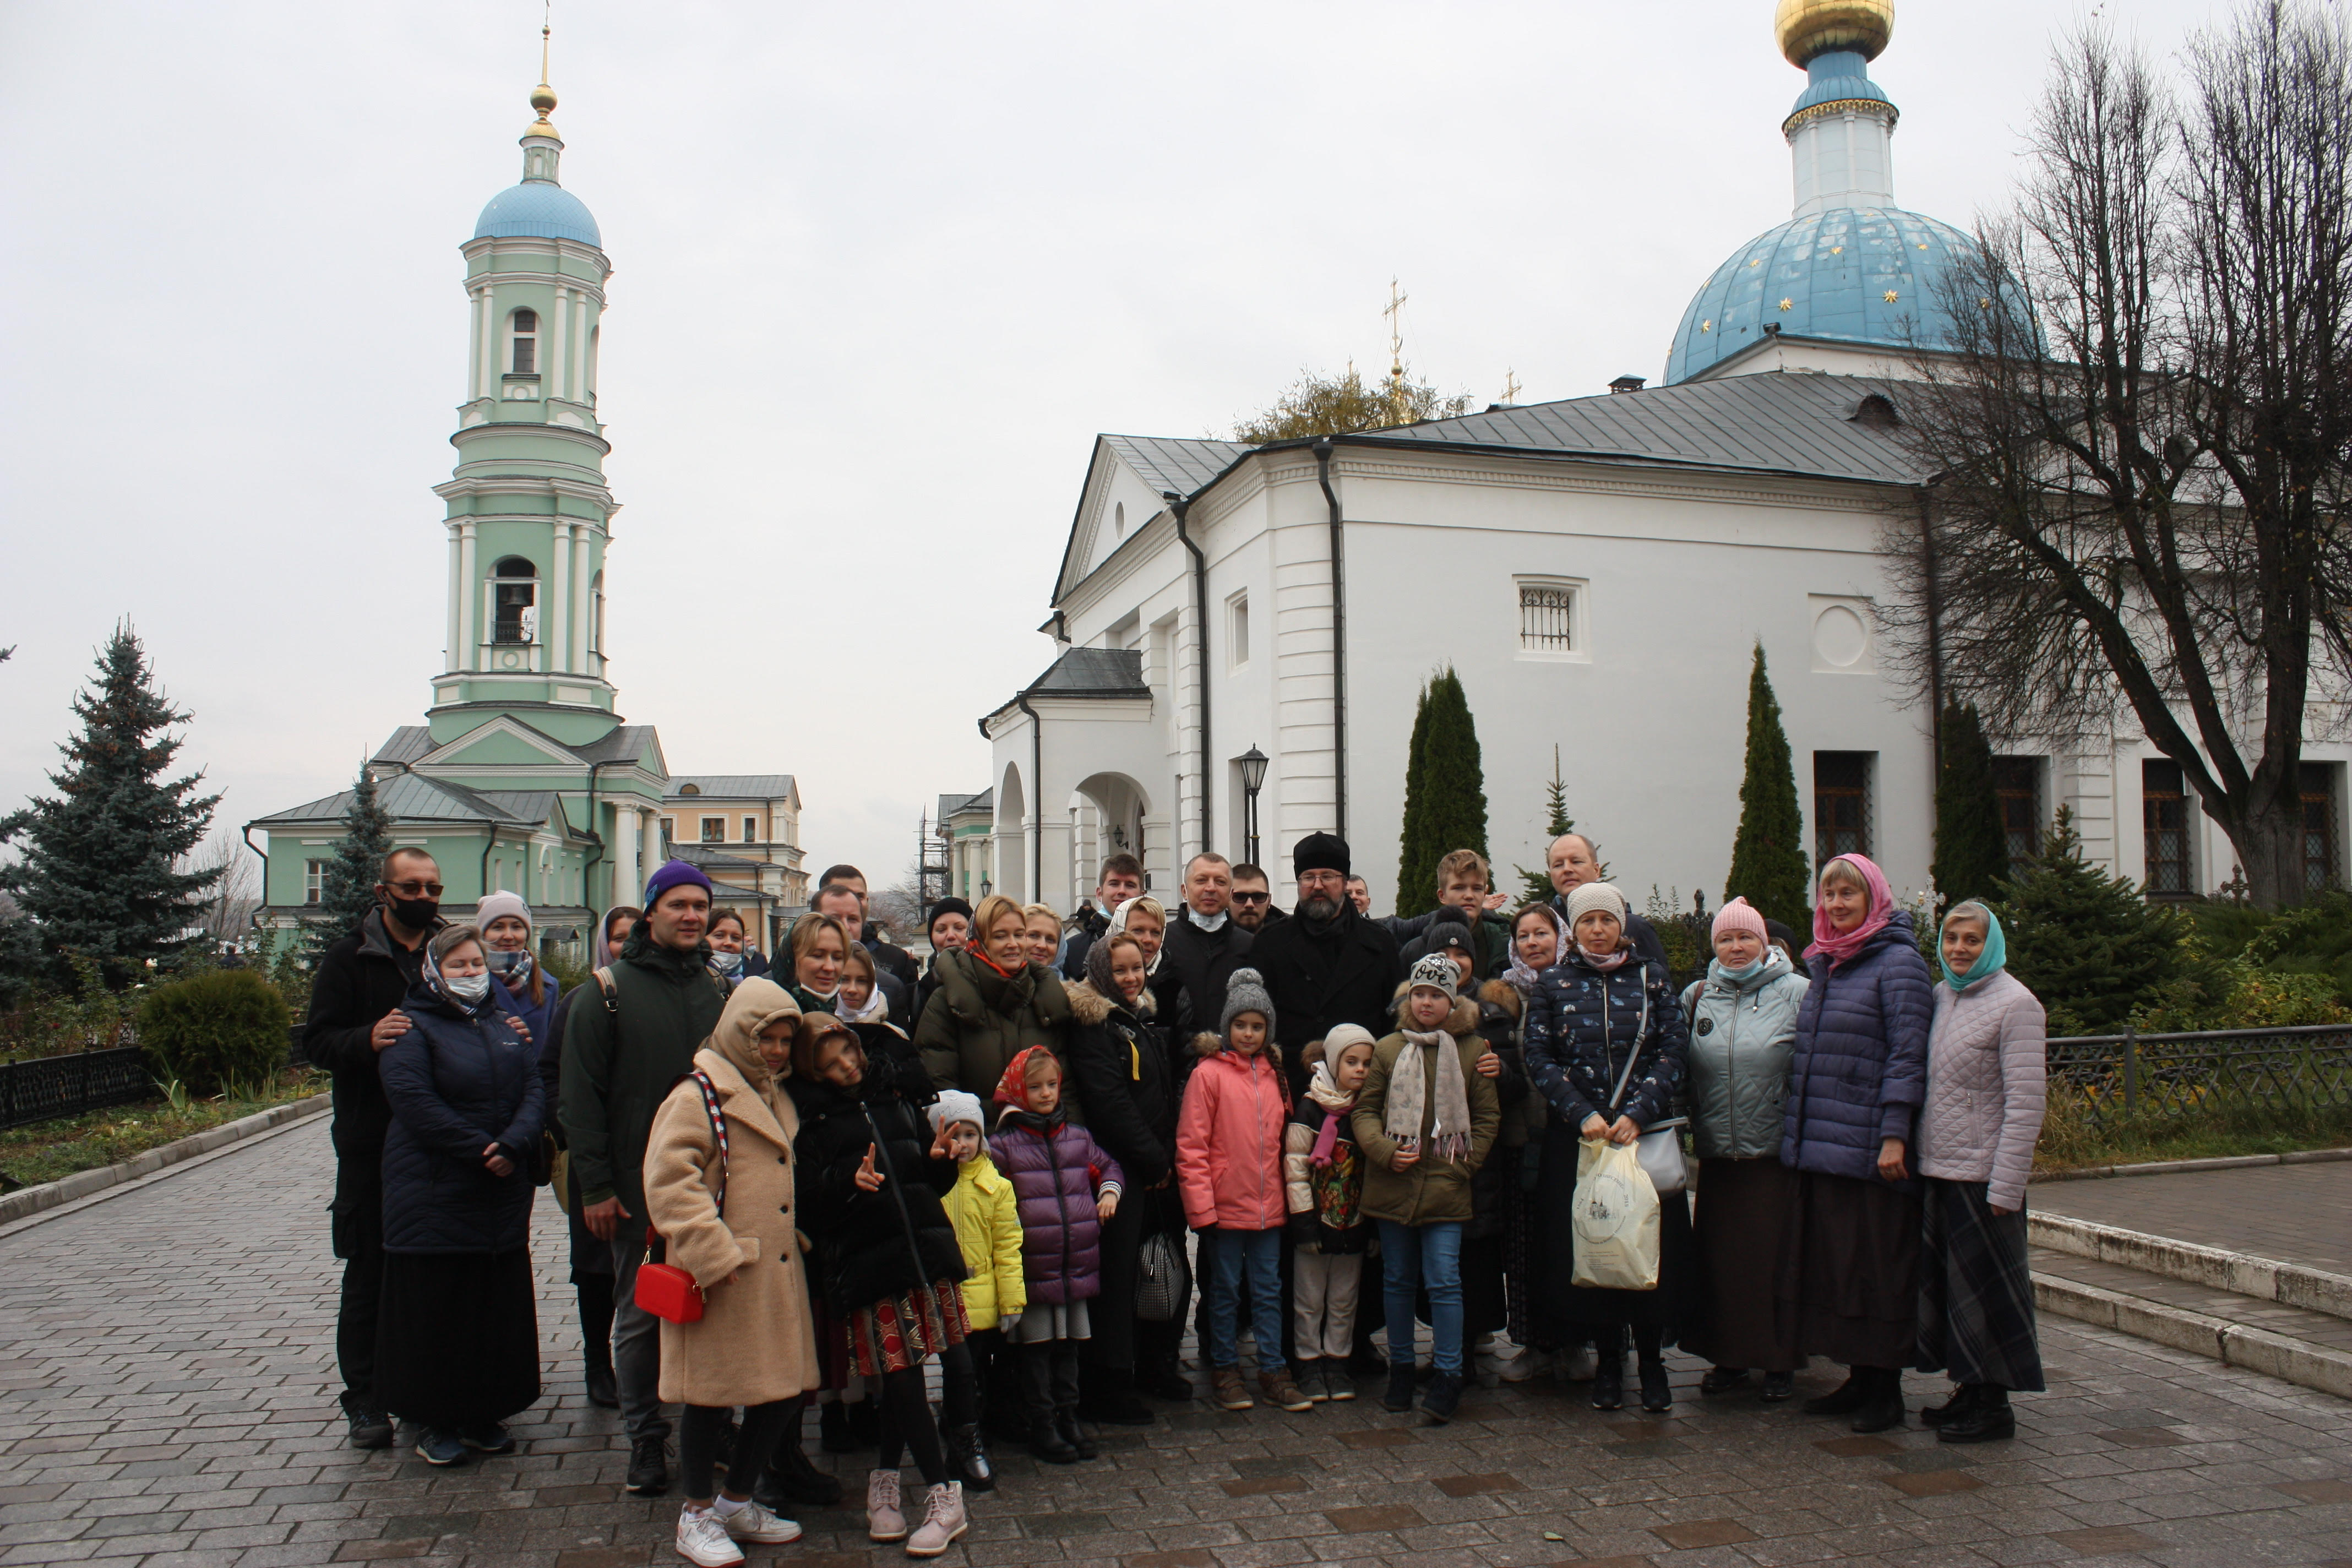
x=1499, y=992
x=1206, y=1044
x=1088, y=1005
x=1462, y=1020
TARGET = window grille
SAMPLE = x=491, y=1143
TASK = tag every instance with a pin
x=2164, y=819
x=1841, y=804
x=2319, y=864
x=1546, y=617
x=2017, y=781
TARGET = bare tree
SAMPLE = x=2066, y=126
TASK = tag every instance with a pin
x=236, y=889
x=2139, y=449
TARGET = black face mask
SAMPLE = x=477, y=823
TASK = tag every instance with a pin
x=417, y=914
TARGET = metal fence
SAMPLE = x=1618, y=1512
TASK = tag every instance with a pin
x=2307, y=1067
x=51, y=1087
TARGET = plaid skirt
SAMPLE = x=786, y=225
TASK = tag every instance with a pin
x=898, y=1332
x=1976, y=1297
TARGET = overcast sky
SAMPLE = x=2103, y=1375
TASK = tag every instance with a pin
x=882, y=272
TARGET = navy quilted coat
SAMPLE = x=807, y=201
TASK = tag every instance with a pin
x=1859, y=1073
x=1054, y=1177
x=459, y=1081
x=1582, y=1023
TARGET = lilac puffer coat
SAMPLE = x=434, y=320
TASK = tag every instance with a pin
x=1858, y=1071
x=1056, y=1175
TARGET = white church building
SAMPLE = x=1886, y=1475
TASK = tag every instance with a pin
x=1596, y=570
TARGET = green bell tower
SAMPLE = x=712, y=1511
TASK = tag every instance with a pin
x=529, y=514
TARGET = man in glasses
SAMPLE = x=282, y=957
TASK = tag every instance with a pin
x=1254, y=905
x=355, y=1014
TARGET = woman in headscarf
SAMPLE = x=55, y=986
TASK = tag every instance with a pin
x=590, y=1259
x=731, y=958
x=1743, y=1027
x=1606, y=1046
x=1849, y=1275
x=1539, y=940
x=458, y=1340
x=1986, y=1092
x=993, y=1004
x=1044, y=928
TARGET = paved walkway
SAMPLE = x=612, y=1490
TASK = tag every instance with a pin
x=2291, y=1214
x=165, y=1388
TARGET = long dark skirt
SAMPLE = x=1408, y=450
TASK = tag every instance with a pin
x=1568, y=1313
x=457, y=1340
x=1112, y=1314
x=1520, y=1249
x=1483, y=1310
x=1744, y=1209
x=1849, y=1275
x=1976, y=1298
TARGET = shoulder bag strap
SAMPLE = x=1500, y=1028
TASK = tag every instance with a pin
x=717, y=1130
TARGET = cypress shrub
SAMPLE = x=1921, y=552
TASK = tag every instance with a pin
x=1445, y=791
x=1971, y=846
x=212, y=1030
x=1767, y=854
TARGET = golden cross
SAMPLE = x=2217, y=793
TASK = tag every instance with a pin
x=1396, y=322
x=1510, y=386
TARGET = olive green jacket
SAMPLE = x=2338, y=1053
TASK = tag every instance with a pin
x=620, y=1060
x=1431, y=1189
x=978, y=1021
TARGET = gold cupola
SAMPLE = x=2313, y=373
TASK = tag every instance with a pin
x=1810, y=27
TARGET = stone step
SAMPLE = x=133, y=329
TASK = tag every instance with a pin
x=2298, y=1344
x=2214, y=1269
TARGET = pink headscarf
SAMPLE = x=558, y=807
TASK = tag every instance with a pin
x=1839, y=946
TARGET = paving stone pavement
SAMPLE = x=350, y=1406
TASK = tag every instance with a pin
x=165, y=1399
x=2292, y=1214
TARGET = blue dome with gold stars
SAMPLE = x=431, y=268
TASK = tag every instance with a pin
x=1869, y=276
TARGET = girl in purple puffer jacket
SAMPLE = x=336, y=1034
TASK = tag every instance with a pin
x=1065, y=1187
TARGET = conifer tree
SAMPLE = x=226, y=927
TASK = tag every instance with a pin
x=1767, y=854
x=2084, y=943
x=99, y=876
x=1445, y=792
x=1971, y=845
x=1535, y=887
x=346, y=890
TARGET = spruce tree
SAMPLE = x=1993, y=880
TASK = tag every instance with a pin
x=1535, y=887
x=2084, y=943
x=1767, y=854
x=1971, y=845
x=346, y=890
x=100, y=875
x=1445, y=792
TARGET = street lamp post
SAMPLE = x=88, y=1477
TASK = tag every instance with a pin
x=1252, y=765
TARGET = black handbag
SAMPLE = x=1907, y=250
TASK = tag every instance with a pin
x=1163, y=1279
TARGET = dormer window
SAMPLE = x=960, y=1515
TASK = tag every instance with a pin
x=526, y=342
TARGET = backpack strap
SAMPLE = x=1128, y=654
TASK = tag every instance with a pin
x=609, y=990
x=717, y=1128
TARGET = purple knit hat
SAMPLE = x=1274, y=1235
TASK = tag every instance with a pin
x=675, y=874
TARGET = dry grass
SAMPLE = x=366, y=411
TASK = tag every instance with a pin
x=48, y=1151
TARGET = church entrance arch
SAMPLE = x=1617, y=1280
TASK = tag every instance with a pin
x=1009, y=838
x=1111, y=815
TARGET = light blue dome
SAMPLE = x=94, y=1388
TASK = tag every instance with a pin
x=1861, y=274
x=538, y=209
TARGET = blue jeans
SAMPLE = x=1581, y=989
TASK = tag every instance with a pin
x=1260, y=1253
x=1428, y=1255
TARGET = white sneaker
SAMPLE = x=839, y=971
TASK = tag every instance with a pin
x=884, y=1521
x=702, y=1539
x=943, y=1520
x=1579, y=1365
x=755, y=1524
x=1528, y=1363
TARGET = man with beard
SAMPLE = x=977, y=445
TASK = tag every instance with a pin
x=1327, y=964
x=1254, y=905
x=1573, y=861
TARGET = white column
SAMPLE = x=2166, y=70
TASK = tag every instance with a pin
x=456, y=578
x=582, y=540
x=489, y=344
x=627, y=880
x=562, y=318
x=649, y=829
x=469, y=624
x=559, y=646
x=474, y=344
x=580, y=349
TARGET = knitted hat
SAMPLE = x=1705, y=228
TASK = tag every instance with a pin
x=1246, y=992
x=1591, y=895
x=947, y=906
x=1775, y=931
x=675, y=874
x=1342, y=1036
x=1319, y=852
x=495, y=906
x=954, y=1108
x=1434, y=971
x=1740, y=915
x=1451, y=937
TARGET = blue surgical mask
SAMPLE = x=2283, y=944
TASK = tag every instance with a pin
x=467, y=987
x=726, y=963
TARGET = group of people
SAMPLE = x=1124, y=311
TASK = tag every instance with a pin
x=988, y=1167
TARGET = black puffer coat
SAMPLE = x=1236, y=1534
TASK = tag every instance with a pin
x=870, y=1246
x=1582, y=1022
x=1121, y=1059
x=460, y=1079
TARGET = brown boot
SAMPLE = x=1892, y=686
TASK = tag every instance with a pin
x=1225, y=1390
x=1281, y=1392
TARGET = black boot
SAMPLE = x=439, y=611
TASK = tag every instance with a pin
x=1609, y=1383
x=1106, y=1394
x=1882, y=1409
x=1066, y=1423
x=1165, y=1380
x=1846, y=1398
x=1964, y=1397
x=968, y=1460
x=1778, y=1386
x=1657, y=1393
x=791, y=1479
x=832, y=1429
x=595, y=1296
x=1045, y=1439
x=864, y=1421
x=1988, y=1418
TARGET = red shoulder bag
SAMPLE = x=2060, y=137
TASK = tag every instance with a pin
x=665, y=1290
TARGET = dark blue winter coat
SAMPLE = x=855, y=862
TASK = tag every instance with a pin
x=1582, y=1023
x=459, y=1081
x=1859, y=1074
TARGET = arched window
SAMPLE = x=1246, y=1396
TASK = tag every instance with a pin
x=526, y=342
x=596, y=615
x=516, y=599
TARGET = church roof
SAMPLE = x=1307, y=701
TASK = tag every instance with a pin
x=413, y=798
x=725, y=786
x=1085, y=673
x=1797, y=424
x=1175, y=463
x=538, y=209
x=957, y=805
x=626, y=743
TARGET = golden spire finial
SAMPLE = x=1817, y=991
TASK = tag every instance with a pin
x=542, y=97
x=1400, y=410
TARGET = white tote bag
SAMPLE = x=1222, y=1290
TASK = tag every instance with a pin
x=1616, y=1215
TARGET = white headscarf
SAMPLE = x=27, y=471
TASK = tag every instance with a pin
x=1147, y=903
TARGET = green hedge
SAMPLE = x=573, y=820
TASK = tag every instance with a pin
x=210, y=1030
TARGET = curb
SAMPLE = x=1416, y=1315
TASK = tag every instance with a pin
x=2214, y=1268
x=2255, y=1350
x=30, y=1201
x=2176, y=1167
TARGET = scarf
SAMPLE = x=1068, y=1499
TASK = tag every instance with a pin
x=1839, y=946
x=977, y=952
x=1449, y=1126
x=875, y=1010
x=1325, y=1093
x=1605, y=961
x=818, y=1002
x=1145, y=900
x=1989, y=963
x=1525, y=977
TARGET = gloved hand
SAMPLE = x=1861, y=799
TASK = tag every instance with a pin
x=1006, y=1323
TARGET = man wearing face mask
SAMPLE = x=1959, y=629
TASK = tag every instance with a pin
x=355, y=1014
x=1204, y=944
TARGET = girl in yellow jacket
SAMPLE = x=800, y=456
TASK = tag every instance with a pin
x=987, y=1220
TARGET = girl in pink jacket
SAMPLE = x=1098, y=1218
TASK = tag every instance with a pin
x=1229, y=1169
